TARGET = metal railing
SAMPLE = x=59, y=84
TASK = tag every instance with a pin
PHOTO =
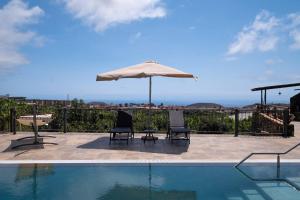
x=295, y=186
x=278, y=166
x=97, y=120
x=206, y=121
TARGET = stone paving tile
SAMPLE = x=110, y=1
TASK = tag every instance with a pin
x=92, y=146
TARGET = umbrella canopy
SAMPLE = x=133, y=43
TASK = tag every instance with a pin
x=147, y=69
x=143, y=70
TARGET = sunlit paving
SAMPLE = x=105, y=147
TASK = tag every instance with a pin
x=149, y=99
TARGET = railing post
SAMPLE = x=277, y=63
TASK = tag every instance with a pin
x=236, y=119
x=65, y=119
x=13, y=120
x=278, y=166
x=255, y=121
x=10, y=120
x=286, y=122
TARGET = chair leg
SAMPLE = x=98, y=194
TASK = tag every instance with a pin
x=109, y=138
x=127, y=138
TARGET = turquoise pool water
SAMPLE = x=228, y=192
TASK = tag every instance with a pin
x=146, y=181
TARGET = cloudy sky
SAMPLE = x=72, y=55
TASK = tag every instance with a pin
x=51, y=49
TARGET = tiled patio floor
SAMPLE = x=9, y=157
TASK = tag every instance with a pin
x=91, y=146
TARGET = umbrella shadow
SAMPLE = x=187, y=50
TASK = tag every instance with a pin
x=17, y=142
x=162, y=146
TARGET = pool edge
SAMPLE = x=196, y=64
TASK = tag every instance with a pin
x=141, y=161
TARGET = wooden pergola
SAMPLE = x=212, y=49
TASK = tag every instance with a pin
x=263, y=90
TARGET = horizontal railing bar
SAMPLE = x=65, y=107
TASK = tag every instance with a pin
x=291, y=148
x=267, y=153
x=226, y=110
x=278, y=166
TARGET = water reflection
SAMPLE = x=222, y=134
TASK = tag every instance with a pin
x=141, y=192
x=141, y=181
x=136, y=193
x=33, y=172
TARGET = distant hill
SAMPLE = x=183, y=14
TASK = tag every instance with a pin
x=205, y=105
x=253, y=106
x=98, y=103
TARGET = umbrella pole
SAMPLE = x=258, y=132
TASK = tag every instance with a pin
x=149, y=111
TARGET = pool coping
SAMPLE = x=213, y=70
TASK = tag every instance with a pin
x=143, y=161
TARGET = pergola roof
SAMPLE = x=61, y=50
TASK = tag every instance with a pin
x=276, y=87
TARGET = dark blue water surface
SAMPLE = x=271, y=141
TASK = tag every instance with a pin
x=146, y=181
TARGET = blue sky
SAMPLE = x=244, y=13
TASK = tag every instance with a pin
x=51, y=49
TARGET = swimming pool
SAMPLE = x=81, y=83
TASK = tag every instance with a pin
x=146, y=181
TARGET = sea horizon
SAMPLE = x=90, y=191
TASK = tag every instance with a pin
x=179, y=102
x=225, y=103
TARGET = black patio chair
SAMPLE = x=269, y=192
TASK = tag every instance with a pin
x=176, y=128
x=123, y=129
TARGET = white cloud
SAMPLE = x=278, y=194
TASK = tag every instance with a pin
x=295, y=34
x=257, y=36
x=101, y=14
x=263, y=34
x=294, y=30
x=267, y=44
x=295, y=20
x=15, y=16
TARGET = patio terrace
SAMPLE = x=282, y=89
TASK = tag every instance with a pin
x=95, y=146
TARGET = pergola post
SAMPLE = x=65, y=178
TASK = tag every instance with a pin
x=265, y=97
x=261, y=98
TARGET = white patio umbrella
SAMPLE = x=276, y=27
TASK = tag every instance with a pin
x=147, y=69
